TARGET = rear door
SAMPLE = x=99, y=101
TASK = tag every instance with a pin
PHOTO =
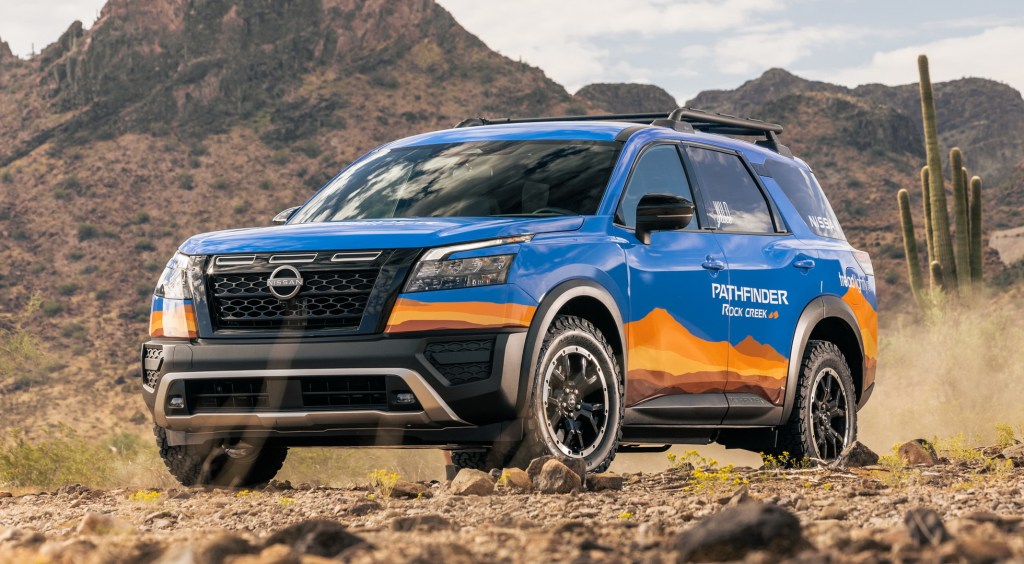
x=769, y=285
x=678, y=353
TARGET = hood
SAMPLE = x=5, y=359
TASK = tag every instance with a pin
x=372, y=234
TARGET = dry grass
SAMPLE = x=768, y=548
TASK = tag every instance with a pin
x=954, y=370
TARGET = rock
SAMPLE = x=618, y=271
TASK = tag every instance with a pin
x=6, y=494
x=494, y=473
x=735, y=531
x=605, y=481
x=834, y=511
x=917, y=453
x=363, y=508
x=856, y=455
x=103, y=524
x=18, y=537
x=515, y=480
x=317, y=537
x=557, y=478
x=577, y=465
x=472, y=482
x=925, y=526
x=978, y=550
x=74, y=550
x=428, y=523
x=222, y=546
x=409, y=490
x=273, y=554
x=741, y=495
x=1015, y=452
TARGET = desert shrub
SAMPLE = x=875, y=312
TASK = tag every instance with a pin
x=87, y=231
x=50, y=308
x=140, y=218
x=221, y=184
x=75, y=255
x=67, y=289
x=309, y=147
x=74, y=330
x=6, y=177
x=186, y=181
x=22, y=358
x=144, y=245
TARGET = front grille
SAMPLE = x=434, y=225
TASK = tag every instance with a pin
x=313, y=393
x=461, y=362
x=333, y=294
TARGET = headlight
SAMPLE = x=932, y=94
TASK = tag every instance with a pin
x=435, y=271
x=173, y=283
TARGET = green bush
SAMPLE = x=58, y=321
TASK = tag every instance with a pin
x=74, y=330
x=50, y=308
x=185, y=181
x=7, y=177
x=75, y=255
x=221, y=184
x=144, y=245
x=67, y=289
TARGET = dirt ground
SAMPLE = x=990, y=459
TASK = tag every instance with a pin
x=854, y=515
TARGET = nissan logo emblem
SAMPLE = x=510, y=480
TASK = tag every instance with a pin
x=285, y=282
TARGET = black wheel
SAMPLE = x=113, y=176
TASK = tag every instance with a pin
x=576, y=409
x=217, y=463
x=824, y=417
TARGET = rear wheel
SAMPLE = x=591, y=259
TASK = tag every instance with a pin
x=824, y=417
x=576, y=409
x=220, y=463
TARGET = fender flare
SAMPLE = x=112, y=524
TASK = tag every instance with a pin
x=820, y=309
x=550, y=305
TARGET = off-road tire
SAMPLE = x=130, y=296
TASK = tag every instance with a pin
x=209, y=464
x=571, y=331
x=796, y=436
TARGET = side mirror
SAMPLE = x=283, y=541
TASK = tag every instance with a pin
x=283, y=217
x=661, y=212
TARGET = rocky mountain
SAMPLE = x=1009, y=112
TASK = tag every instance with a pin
x=627, y=98
x=5, y=52
x=173, y=117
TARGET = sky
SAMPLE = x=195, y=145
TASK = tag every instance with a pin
x=686, y=46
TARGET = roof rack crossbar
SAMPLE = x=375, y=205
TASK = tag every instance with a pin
x=700, y=120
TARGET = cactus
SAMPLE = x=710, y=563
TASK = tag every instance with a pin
x=976, y=272
x=926, y=198
x=948, y=270
x=942, y=243
x=910, y=245
x=963, y=235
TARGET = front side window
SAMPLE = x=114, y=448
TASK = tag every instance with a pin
x=734, y=201
x=486, y=178
x=658, y=171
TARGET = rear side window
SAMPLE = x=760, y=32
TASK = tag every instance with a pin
x=804, y=192
x=733, y=200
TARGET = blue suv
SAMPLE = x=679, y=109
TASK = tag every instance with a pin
x=511, y=288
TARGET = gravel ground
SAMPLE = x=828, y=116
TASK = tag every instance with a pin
x=857, y=515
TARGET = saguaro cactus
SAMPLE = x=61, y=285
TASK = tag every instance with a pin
x=943, y=245
x=948, y=270
x=976, y=257
x=963, y=231
x=910, y=245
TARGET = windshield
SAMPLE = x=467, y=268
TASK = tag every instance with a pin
x=489, y=178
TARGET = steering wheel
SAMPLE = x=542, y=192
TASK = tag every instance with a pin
x=549, y=210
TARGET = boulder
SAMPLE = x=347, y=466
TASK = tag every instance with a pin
x=605, y=481
x=577, y=465
x=917, y=453
x=409, y=490
x=978, y=550
x=1015, y=452
x=514, y=480
x=735, y=531
x=557, y=478
x=427, y=523
x=472, y=482
x=926, y=527
x=19, y=537
x=318, y=537
x=103, y=524
x=856, y=455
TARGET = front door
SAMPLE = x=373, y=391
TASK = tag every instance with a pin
x=677, y=340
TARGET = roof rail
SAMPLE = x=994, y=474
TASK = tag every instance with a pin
x=681, y=119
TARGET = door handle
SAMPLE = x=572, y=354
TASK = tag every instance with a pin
x=714, y=264
x=805, y=264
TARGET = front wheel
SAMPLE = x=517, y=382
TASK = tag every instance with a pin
x=824, y=417
x=237, y=464
x=576, y=410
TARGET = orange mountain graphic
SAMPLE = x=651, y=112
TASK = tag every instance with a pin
x=414, y=315
x=867, y=318
x=665, y=357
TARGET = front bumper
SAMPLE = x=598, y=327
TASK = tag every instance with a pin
x=192, y=388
